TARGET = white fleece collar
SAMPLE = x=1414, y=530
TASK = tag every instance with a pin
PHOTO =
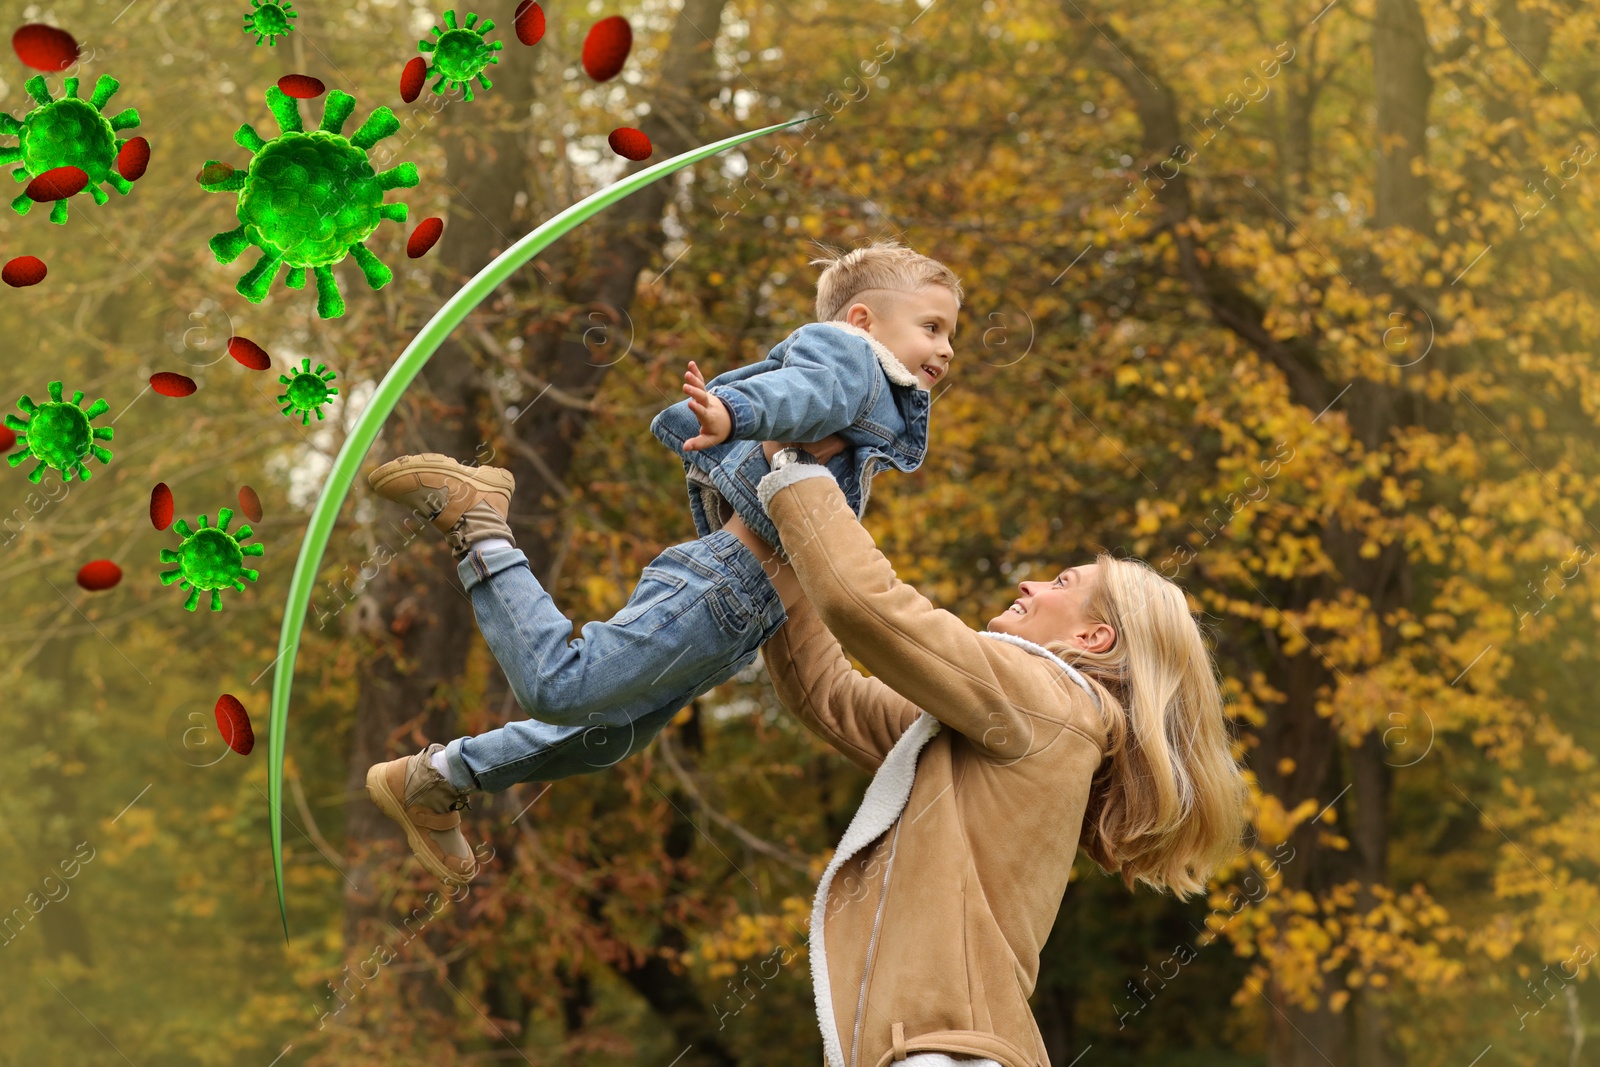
x=1040, y=650
x=885, y=799
x=897, y=372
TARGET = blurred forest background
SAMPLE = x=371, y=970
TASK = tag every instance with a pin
x=1295, y=301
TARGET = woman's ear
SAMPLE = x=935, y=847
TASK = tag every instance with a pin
x=1100, y=638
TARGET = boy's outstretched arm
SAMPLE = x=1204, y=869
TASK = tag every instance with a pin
x=823, y=387
x=716, y=422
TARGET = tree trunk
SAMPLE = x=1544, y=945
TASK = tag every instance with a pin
x=1403, y=86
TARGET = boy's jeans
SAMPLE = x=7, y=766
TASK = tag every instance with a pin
x=700, y=612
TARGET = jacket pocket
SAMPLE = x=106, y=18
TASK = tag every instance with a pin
x=972, y=929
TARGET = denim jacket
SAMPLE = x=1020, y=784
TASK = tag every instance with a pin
x=824, y=378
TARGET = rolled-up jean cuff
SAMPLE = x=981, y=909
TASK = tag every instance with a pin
x=479, y=565
x=461, y=776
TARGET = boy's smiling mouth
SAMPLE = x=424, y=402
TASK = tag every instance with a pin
x=931, y=371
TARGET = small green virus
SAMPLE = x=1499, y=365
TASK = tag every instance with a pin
x=269, y=20
x=461, y=54
x=210, y=559
x=308, y=391
x=307, y=199
x=59, y=436
x=67, y=133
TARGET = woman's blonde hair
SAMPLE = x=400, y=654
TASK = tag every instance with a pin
x=1169, y=803
x=880, y=265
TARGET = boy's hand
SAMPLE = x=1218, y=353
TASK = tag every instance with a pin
x=716, y=422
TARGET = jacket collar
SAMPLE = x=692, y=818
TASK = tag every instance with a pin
x=897, y=372
x=1040, y=650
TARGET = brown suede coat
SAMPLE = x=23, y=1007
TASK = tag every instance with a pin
x=927, y=927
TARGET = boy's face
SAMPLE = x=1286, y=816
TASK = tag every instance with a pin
x=916, y=326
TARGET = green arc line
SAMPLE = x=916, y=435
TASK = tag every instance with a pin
x=347, y=464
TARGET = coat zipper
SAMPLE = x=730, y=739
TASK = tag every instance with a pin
x=872, y=944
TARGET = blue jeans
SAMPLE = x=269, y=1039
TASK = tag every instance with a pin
x=697, y=617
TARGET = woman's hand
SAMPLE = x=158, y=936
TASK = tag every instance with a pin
x=716, y=422
x=824, y=449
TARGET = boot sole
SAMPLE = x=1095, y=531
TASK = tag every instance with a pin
x=378, y=789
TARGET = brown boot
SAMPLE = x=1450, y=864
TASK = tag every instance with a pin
x=428, y=808
x=464, y=503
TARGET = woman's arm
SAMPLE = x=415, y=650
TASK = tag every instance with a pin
x=1005, y=700
x=859, y=716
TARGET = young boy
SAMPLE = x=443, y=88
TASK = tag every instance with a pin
x=855, y=384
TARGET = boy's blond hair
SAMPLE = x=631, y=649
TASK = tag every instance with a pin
x=880, y=265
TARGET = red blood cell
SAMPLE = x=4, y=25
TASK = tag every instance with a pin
x=530, y=22
x=212, y=173
x=630, y=143
x=99, y=574
x=605, y=50
x=169, y=384
x=133, y=158
x=58, y=183
x=412, y=77
x=23, y=271
x=45, y=47
x=249, y=353
x=8, y=437
x=161, y=506
x=301, y=86
x=424, y=237
x=250, y=503
x=234, y=722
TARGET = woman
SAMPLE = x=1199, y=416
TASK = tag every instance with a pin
x=993, y=761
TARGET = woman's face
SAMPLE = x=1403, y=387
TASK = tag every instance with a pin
x=1054, y=611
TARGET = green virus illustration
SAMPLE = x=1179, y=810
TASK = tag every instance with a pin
x=269, y=20
x=210, y=559
x=67, y=133
x=308, y=391
x=307, y=199
x=58, y=435
x=461, y=53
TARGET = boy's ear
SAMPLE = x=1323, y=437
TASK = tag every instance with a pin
x=859, y=316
